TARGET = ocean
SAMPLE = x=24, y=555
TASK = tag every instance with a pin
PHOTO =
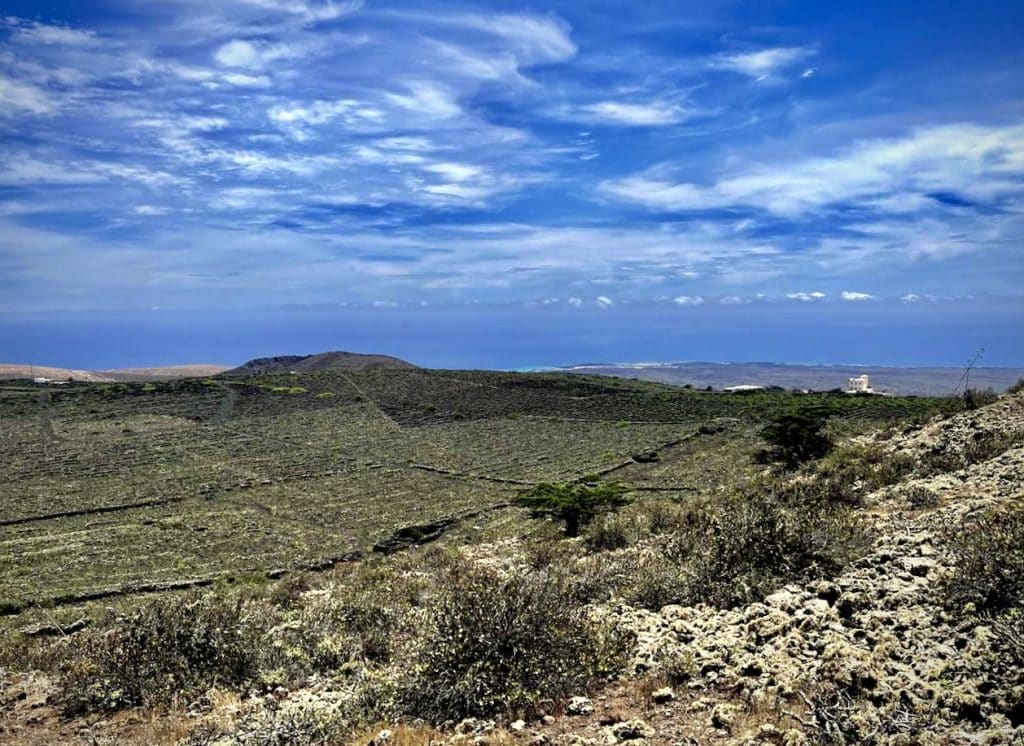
x=516, y=338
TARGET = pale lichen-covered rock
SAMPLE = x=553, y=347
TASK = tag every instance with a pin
x=631, y=730
x=579, y=706
x=724, y=715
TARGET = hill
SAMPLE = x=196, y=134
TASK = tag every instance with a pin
x=324, y=361
x=157, y=373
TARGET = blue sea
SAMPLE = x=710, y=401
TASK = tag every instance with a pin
x=515, y=338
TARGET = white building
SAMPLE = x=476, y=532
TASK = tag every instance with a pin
x=859, y=385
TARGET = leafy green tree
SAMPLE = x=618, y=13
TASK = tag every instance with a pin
x=575, y=505
x=796, y=437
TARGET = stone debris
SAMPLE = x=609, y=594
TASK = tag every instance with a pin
x=878, y=632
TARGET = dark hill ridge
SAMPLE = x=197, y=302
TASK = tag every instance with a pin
x=320, y=362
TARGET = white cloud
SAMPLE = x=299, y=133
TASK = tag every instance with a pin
x=150, y=210
x=762, y=63
x=294, y=118
x=633, y=114
x=310, y=12
x=604, y=301
x=31, y=32
x=853, y=295
x=315, y=112
x=534, y=39
x=427, y=99
x=455, y=171
x=459, y=191
x=910, y=298
x=815, y=295
x=368, y=154
x=732, y=300
x=251, y=55
x=15, y=94
x=575, y=302
x=688, y=300
x=976, y=161
x=404, y=143
x=246, y=81
x=25, y=170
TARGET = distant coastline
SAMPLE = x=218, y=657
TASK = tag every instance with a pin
x=895, y=379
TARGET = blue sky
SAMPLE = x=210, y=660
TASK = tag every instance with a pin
x=260, y=153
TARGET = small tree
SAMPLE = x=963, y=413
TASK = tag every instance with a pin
x=576, y=505
x=796, y=437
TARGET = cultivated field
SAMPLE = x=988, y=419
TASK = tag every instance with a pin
x=109, y=489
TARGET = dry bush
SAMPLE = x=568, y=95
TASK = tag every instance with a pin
x=773, y=535
x=977, y=398
x=505, y=645
x=849, y=473
x=167, y=649
x=636, y=522
x=920, y=497
x=361, y=620
x=986, y=445
x=988, y=556
x=729, y=552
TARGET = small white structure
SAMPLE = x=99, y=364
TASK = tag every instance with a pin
x=743, y=387
x=860, y=385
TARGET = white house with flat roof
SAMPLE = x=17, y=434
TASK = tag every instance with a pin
x=860, y=385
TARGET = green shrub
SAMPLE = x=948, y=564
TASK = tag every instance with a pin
x=1017, y=387
x=168, y=648
x=501, y=645
x=576, y=505
x=797, y=437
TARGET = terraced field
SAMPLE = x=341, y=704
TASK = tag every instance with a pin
x=115, y=488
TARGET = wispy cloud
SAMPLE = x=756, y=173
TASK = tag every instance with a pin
x=762, y=63
x=642, y=115
x=16, y=95
x=427, y=99
x=438, y=156
x=983, y=163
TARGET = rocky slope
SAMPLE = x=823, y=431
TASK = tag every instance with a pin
x=872, y=656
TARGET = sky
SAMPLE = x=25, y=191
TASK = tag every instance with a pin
x=591, y=156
